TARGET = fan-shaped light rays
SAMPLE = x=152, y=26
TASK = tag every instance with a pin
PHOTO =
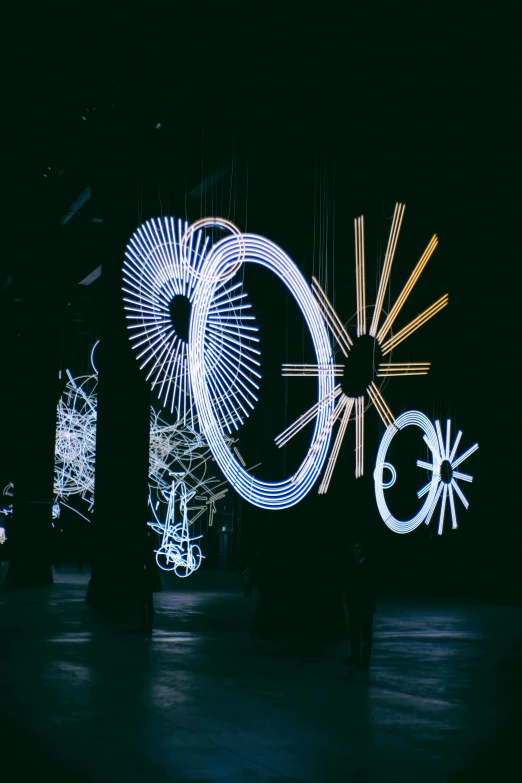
x=156, y=273
x=345, y=343
x=447, y=485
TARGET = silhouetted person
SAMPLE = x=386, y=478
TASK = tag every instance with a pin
x=360, y=596
x=149, y=582
x=248, y=579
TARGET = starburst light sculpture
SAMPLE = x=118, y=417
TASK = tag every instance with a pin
x=161, y=280
x=383, y=344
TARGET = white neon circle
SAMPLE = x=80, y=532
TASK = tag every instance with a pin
x=377, y=475
x=213, y=222
x=407, y=419
x=258, y=250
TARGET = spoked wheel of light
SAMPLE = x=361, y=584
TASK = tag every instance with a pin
x=443, y=467
x=223, y=257
x=160, y=285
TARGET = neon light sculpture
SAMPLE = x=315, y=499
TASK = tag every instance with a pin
x=157, y=274
x=75, y=444
x=345, y=403
x=7, y=492
x=221, y=261
x=177, y=551
x=443, y=483
x=178, y=450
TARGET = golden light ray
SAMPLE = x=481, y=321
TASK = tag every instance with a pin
x=331, y=317
x=398, y=215
x=380, y=403
x=393, y=369
x=337, y=445
x=303, y=420
x=412, y=327
x=406, y=291
x=360, y=276
x=301, y=473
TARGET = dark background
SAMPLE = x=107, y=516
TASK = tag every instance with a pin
x=302, y=118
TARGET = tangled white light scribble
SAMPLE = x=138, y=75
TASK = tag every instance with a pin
x=177, y=450
x=3, y=537
x=75, y=445
x=217, y=266
x=177, y=552
x=8, y=493
x=160, y=289
x=345, y=403
x=443, y=482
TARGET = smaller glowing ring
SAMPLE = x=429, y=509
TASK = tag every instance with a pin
x=377, y=475
x=213, y=222
x=409, y=418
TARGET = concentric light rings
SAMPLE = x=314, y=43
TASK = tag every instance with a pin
x=234, y=265
x=407, y=419
x=258, y=250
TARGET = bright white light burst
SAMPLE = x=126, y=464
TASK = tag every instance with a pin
x=161, y=278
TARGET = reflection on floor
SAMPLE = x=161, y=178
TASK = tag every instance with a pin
x=83, y=699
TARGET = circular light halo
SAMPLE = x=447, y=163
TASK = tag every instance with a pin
x=214, y=222
x=407, y=419
x=258, y=250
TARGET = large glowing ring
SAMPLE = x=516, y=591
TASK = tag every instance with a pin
x=407, y=419
x=258, y=250
x=214, y=222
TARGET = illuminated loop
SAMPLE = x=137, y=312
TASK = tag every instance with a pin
x=407, y=419
x=274, y=495
x=214, y=222
x=377, y=475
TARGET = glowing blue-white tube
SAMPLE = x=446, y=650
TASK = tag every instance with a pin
x=216, y=267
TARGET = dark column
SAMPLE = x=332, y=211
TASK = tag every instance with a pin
x=31, y=404
x=122, y=451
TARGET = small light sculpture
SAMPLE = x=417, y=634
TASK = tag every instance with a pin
x=177, y=552
x=443, y=467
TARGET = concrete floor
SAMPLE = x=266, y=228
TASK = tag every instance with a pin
x=85, y=699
